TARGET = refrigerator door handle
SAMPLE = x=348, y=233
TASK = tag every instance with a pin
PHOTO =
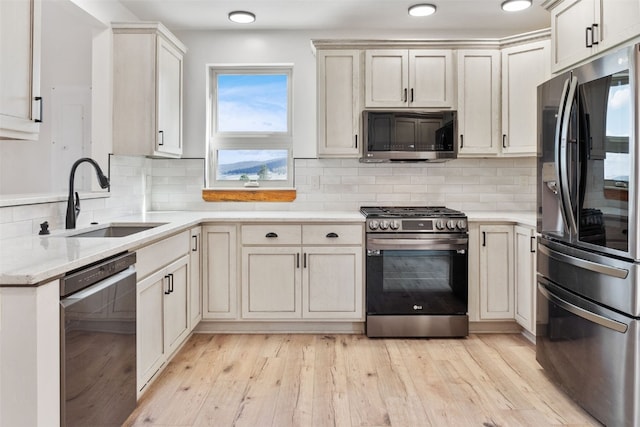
x=581, y=312
x=565, y=197
x=607, y=270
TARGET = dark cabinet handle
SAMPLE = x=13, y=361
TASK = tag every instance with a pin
x=588, y=31
x=298, y=260
x=168, y=291
x=304, y=261
x=461, y=141
x=170, y=282
x=411, y=94
x=533, y=244
x=39, y=119
x=332, y=235
x=405, y=94
x=504, y=141
x=271, y=235
x=594, y=40
x=356, y=141
x=161, y=132
x=195, y=244
x=484, y=238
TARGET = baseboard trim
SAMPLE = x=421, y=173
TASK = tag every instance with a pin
x=251, y=327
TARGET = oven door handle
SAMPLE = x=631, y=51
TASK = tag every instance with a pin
x=419, y=244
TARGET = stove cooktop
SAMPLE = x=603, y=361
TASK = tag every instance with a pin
x=414, y=219
x=410, y=212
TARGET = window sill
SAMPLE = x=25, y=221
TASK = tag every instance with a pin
x=249, y=195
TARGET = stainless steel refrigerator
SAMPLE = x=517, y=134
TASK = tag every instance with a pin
x=588, y=302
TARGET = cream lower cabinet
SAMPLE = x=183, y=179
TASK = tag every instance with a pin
x=219, y=272
x=195, y=277
x=163, y=321
x=302, y=272
x=163, y=272
x=525, y=277
x=496, y=272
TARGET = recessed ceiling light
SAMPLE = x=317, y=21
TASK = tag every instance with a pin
x=241, y=17
x=422, y=10
x=515, y=5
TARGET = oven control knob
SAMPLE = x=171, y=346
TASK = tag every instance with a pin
x=451, y=224
x=373, y=224
x=394, y=225
x=384, y=224
x=462, y=224
x=440, y=224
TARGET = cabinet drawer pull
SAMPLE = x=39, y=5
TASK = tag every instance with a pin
x=594, y=39
x=271, y=235
x=161, y=142
x=168, y=291
x=411, y=94
x=195, y=244
x=298, y=260
x=39, y=119
x=504, y=141
x=461, y=141
x=533, y=244
x=587, y=42
x=405, y=95
x=356, y=141
x=332, y=235
x=304, y=261
x=484, y=238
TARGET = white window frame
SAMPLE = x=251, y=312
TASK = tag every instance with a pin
x=246, y=140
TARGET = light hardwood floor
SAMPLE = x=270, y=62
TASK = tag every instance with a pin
x=350, y=380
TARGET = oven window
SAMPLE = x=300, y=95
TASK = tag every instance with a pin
x=408, y=271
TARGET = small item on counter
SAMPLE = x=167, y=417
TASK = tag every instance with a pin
x=44, y=228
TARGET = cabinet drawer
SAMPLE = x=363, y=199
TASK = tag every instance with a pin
x=157, y=255
x=332, y=234
x=280, y=234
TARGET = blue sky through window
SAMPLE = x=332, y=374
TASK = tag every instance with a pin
x=252, y=103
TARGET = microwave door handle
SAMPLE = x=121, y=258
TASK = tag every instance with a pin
x=565, y=196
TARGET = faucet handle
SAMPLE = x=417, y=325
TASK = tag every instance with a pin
x=44, y=228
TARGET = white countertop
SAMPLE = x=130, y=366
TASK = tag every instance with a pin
x=30, y=260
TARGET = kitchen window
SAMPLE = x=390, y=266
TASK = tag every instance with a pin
x=249, y=126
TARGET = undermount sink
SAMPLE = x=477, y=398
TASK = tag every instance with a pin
x=116, y=230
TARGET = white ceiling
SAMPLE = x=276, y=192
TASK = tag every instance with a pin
x=481, y=17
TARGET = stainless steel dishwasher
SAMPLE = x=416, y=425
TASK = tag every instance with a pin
x=98, y=343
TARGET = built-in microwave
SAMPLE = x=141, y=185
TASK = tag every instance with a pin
x=409, y=136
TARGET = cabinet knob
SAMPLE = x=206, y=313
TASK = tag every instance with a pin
x=271, y=235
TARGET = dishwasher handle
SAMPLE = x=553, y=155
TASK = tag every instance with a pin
x=98, y=287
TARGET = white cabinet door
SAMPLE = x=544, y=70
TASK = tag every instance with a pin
x=169, y=136
x=271, y=282
x=431, y=81
x=525, y=277
x=619, y=21
x=20, y=98
x=496, y=272
x=417, y=78
x=176, y=300
x=195, y=278
x=332, y=282
x=147, y=90
x=386, y=77
x=571, y=23
x=479, y=102
x=524, y=67
x=220, y=283
x=149, y=326
x=338, y=103
x=162, y=317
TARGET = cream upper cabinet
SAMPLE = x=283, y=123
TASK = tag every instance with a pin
x=478, y=102
x=582, y=28
x=339, y=93
x=147, y=90
x=525, y=277
x=524, y=67
x=415, y=78
x=20, y=98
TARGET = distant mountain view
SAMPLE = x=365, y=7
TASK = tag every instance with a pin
x=273, y=169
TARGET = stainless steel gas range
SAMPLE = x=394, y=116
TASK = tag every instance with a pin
x=416, y=272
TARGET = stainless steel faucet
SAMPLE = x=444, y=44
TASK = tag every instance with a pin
x=73, y=203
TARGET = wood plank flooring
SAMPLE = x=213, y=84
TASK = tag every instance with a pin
x=350, y=380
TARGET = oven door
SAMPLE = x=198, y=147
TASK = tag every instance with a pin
x=416, y=274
